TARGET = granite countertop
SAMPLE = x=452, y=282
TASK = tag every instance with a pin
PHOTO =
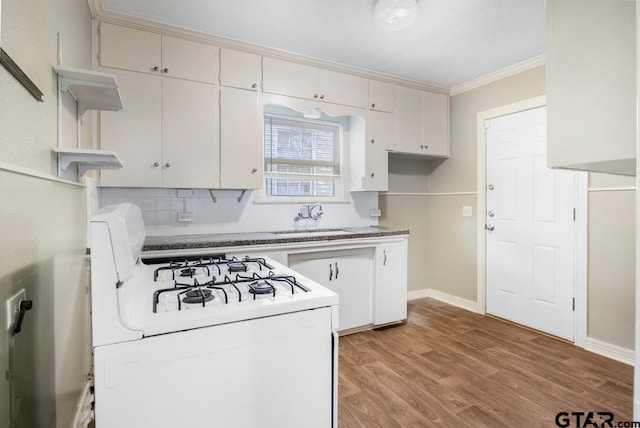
x=180, y=242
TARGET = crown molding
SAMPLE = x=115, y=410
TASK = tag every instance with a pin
x=525, y=65
x=100, y=14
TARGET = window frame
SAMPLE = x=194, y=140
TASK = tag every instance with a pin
x=341, y=194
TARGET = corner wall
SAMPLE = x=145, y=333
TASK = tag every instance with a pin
x=442, y=254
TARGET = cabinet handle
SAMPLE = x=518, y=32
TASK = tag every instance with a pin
x=255, y=85
x=373, y=140
x=322, y=97
x=384, y=253
x=165, y=70
x=373, y=174
x=156, y=164
x=254, y=170
x=315, y=95
x=330, y=272
x=373, y=105
x=156, y=68
x=167, y=165
x=337, y=270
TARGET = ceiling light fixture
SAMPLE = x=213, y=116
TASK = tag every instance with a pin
x=394, y=15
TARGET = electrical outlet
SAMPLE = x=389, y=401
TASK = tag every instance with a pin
x=13, y=307
x=185, y=217
x=467, y=211
x=375, y=213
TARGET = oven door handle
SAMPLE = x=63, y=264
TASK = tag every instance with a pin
x=334, y=380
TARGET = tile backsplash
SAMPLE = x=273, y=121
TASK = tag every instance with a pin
x=160, y=208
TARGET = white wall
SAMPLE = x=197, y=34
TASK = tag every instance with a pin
x=42, y=222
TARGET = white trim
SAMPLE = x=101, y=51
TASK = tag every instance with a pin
x=525, y=65
x=426, y=194
x=608, y=350
x=100, y=14
x=37, y=174
x=580, y=292
x=612, y=189
x=450, y=299
x=417, y=294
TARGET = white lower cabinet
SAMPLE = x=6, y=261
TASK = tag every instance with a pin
x=347, y=272
x=390, y=296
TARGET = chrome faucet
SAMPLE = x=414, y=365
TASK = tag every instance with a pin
x=306, y=212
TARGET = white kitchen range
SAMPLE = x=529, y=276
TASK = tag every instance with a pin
x=208, y=340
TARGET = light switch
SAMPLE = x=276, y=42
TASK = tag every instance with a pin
x=467, y=211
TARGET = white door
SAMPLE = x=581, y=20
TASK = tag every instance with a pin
x=530, y=221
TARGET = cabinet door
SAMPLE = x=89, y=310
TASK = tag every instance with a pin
x=129, y=49
x=409, y=121
x=190, y=134
x=435, y=124
x=340, y=88
x=135, y=134
x=349, y=275
x=379, y=139
x=241, y=145
x=240, y=69
x=186, y=59
x=391, y=286
x=288, y=78
x=382, y=96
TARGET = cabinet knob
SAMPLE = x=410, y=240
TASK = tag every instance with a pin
x=426, y=147
x=167, y=165
x=254, y=170
x=165, y=70
x=315, y=95
x=322, y=97
x=422, y=146
x=156, y=164
x=372, y=140
x=156, y=68
x=255, y=85
x=373, y=174
x=373, y=105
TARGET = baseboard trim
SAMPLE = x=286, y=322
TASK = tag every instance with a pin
x=417, y=294
x=459, y=302
x=615, y=352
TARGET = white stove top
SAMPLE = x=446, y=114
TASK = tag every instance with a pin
x=167, y=297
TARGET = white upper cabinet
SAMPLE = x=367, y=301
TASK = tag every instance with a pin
x=136, y=50
x=136, y=133
x=303, y=81
x=190, y=146
x=369, y=158
x=591, y=81
x=422, y=123
x=382, y=96
x=240, y=69
x=241, y=148
x=166, y=137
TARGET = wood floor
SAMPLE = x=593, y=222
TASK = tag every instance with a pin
x=453, y=368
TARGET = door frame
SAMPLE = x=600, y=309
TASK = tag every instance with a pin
x=580, y=236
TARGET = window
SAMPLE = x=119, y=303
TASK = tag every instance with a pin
x=302, y=158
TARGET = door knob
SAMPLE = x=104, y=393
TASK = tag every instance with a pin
x=489, y=227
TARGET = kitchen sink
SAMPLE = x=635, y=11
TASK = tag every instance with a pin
x=310, y=233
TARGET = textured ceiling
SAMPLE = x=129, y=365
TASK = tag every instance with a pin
x=451, y=42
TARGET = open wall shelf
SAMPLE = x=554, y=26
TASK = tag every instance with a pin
x=87, y=159
x=93, y=90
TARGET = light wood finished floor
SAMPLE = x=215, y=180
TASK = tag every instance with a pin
x=453, y=368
